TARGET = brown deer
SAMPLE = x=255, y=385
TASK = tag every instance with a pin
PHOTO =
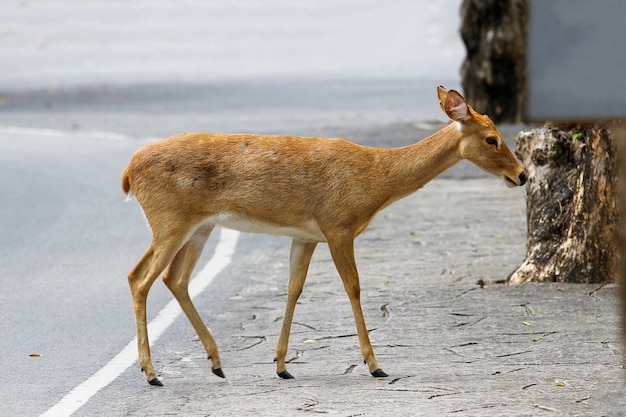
x=310, y=189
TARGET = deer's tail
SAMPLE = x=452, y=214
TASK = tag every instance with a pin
x=126, y=184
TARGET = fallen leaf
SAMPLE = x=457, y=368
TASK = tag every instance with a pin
x=559, y=383
x=310, y=342
x=525, y=323
x=35, y=355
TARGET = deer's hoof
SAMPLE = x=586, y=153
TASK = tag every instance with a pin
x=285, y=375
x=379, y=373
x=218, y=372
x=155, y=382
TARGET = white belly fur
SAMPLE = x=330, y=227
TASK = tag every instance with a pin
x=307, y=232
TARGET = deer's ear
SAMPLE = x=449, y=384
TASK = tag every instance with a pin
x=453, y=104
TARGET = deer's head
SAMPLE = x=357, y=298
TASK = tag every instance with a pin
x=480, y=141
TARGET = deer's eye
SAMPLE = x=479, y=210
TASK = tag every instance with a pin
x=491, y=140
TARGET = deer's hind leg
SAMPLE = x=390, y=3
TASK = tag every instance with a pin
x=161, y=251
x=176, y=277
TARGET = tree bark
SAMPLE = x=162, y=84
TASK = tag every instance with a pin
x=620, y=137
x=571, y=205
x=494, y=72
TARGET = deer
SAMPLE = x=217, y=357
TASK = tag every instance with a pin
x=312, y=190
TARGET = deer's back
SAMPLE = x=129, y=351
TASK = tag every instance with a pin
x=284, y=180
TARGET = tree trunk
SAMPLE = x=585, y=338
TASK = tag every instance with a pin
x=571, y=205
x=494, y=72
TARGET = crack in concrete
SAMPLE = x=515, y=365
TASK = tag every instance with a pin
x=506, y=355
x=262, y=339
x=470, y=323
x=299, y=354
x=527, y=310
x=349, y=369
x=306, y=325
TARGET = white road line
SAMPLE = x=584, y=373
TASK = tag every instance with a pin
x=37, y=131
x=79, y=396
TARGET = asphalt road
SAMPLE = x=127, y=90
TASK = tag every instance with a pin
x=69, y=238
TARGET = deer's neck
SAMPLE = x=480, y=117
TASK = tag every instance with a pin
x=412, y=167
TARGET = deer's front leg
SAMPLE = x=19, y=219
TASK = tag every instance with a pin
x=342, y=251
x=299, y=260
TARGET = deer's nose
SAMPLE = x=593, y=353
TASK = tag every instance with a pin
x=522, y=178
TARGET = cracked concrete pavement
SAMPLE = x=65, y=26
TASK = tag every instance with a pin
x=450, y=346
